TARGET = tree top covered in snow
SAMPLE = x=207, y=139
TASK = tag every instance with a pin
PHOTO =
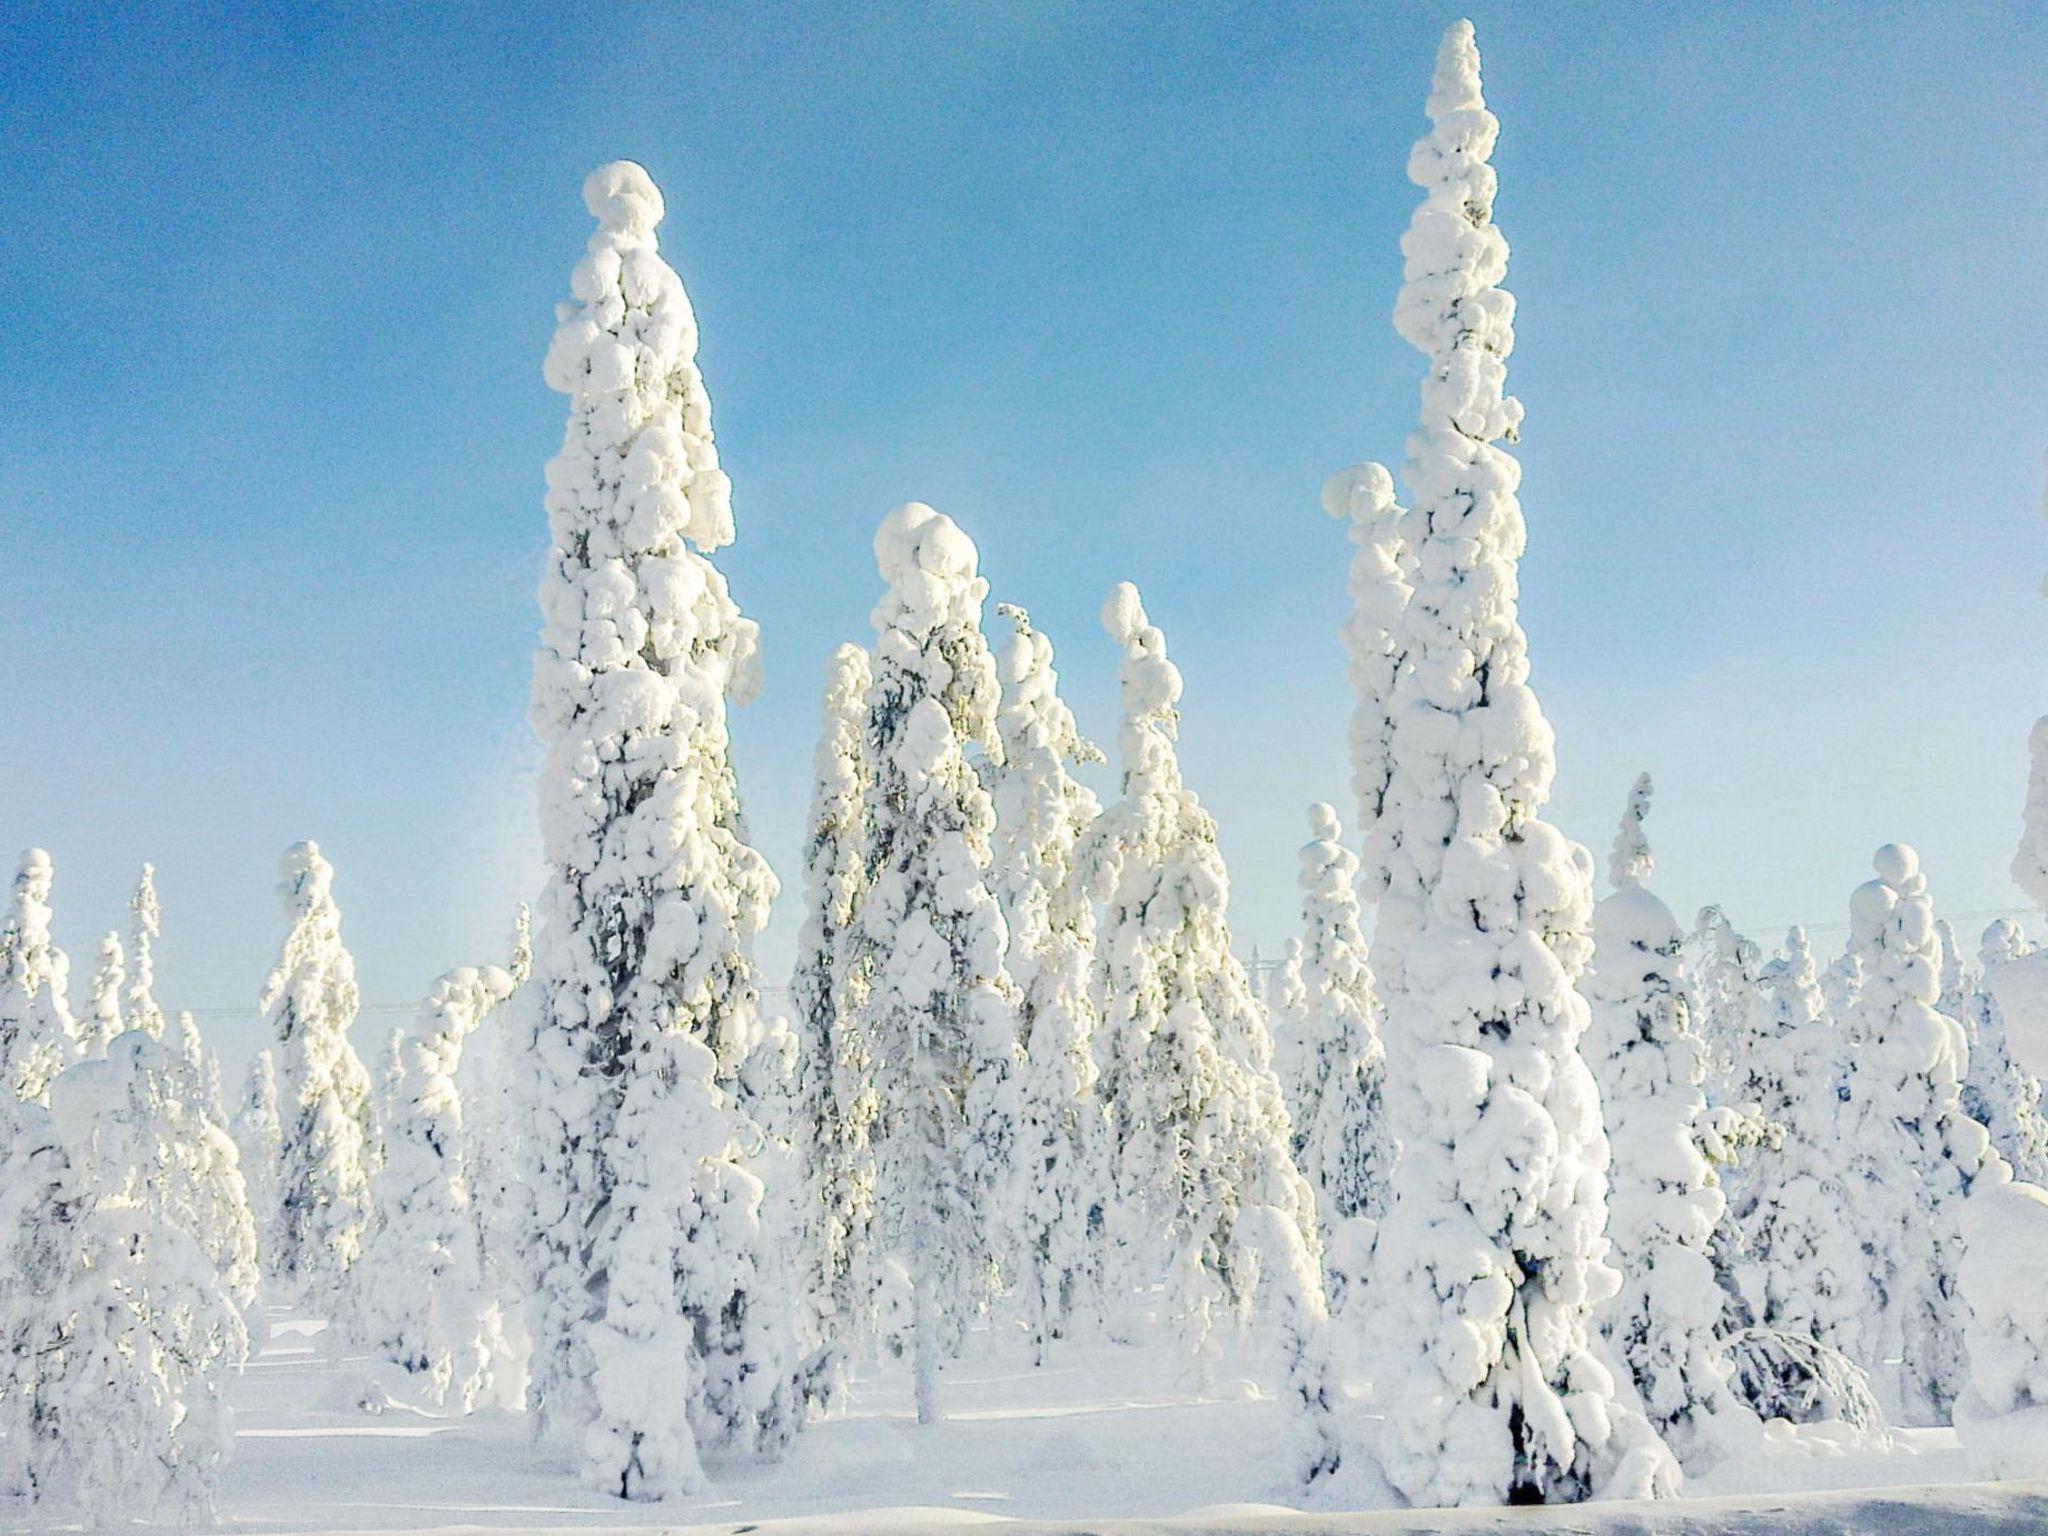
x=1630, y=863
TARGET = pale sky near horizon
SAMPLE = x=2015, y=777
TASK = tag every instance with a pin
x=1111, y=286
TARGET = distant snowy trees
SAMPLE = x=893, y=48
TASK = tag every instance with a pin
x=1491, y=1262
x=1197, y=1129
x=38, y=1037
x=1664, y=1201
x=1914, y=1155
x=321, y=1208
x=1059, y=1165
x=939, y=1014
x=662, y=1316
x=259, y=1135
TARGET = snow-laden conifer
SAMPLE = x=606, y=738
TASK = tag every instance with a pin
x=1042, y=810
x=661, y=1318
x=322, y=1206
x=1914, y=1156
x=1491, y=1262
x=140, y=1335
x=421, y=1280
x=835, y=1087
x=1664, y=1201
x=1197, y=1129
x=1340, y=1129
x=2003, y=1418
x=1381, y=582
x=1998, y=1093
x=38, y=1037
x=940, y=1012
x=146, y=927
x=102, y=1020
x=1804, y=1273
x=259, y=1137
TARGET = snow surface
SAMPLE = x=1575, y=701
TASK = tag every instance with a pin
x=1100, y=1435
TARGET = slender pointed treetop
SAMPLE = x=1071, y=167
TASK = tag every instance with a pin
x=1631, y=863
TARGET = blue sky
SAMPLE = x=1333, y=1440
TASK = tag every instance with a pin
x=1109, y=284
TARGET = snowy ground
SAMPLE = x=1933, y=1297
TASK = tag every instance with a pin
x=1103, y=1435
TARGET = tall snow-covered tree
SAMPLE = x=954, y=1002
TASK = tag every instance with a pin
x=322, y=1207
x=1340, y=1129
x=1197, y=1129
x=1381, y=581
x=651, y=1260
x=1664, y=1201
x=421, y=1280
x=38, y=1037
x=103, y=1014
x=1492, y=1257
x=835, y=1090
x=940, y=1011
x=1998, y=1093
x=146, y=928
x=1914, y=1156
x=259, y=1136
x=1042, y=810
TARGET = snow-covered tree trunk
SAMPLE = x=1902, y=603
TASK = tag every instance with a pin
x=1664, y=1202
x=322, y=1206
x=1340, y=1122
x=1059, y=1166
x=940, y=1011
x=1491, y=1262
x=835, y=1088
x=421, y=1280
x=38, y=1037
x=1197, y=1127
x=1914, y=1156
x=651, y=1263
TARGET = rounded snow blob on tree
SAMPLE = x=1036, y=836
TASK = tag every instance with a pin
x=1491, y=1263
x=650, y=1259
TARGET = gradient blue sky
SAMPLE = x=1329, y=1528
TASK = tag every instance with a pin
x=1109, y=284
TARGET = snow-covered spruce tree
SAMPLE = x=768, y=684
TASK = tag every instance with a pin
x=1340, y=1131
x=259, y=1136
x=103, y=1011
x=835, y=1090
x=1197, y=1129
x=1914, y=1156
x=38, y=1037
x=490, y=1082
x=1059, y=1166
x=1491, y=1261
x=322, y=1206
x=661, y=1317
x=1292, y=1283
x=940, y=1011
x=146, y=927
x=147, y=1335
x=1663, y=1199
x=2003, y=1418
x=1998, y=1093
x=1381, y=582
x=421, y=1280
x=1732, y=1018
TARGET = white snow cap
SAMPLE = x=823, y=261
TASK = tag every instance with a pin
x=1123, y=613
x=1359, y=492
x=1631, y=862
x=624, y=197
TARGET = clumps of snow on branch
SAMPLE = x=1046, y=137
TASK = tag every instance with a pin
x=1664, y=1201
x=1381, y=582
x=1492, y=1259
x=2003, y=1419
x=103, y=1005
x=322, y=1207
x=1059, y=1165
x=939, y=1015
x=1198, y=1130
x=2000, y=1094
x=259, y=1136
x=1915, y=1157
x=143, y=1013
x=662, y=1317
x=835, y=1092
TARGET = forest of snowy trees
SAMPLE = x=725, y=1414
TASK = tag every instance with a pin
x=1527, y=1190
